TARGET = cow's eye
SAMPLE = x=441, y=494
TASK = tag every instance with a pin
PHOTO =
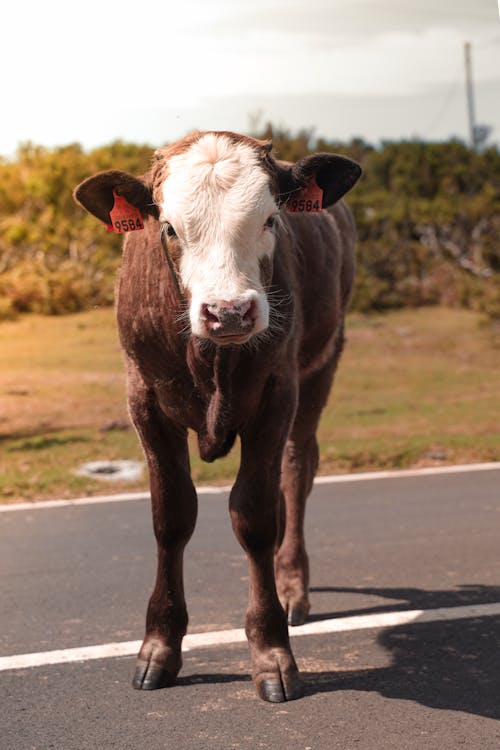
x=167, y=228
x=270, y=222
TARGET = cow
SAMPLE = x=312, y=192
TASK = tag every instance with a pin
x=236, y=273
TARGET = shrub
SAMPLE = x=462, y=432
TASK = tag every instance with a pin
x=427, y=216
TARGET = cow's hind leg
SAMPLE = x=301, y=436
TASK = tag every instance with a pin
x=299, y=466
x=174, y=506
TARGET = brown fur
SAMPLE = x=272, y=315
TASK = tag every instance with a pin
x=270, y=392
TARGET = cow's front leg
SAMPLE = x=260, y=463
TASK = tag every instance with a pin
x=174, y=506
x=253, y=506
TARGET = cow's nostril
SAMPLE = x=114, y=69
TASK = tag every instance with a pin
x=248, y=312
x=210, y=316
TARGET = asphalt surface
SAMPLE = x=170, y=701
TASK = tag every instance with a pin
x=81, y=576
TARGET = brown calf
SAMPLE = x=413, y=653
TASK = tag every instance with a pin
x=230, y=308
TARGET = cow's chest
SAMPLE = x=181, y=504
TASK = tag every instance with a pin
x=214, y=397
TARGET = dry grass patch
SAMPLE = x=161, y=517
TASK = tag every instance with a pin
x=414, y=388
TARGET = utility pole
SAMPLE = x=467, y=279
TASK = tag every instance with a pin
x=470, y=94
x=478, y=133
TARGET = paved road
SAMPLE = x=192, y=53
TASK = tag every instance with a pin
x=80, y=576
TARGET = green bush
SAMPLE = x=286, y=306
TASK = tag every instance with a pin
x=427, y=217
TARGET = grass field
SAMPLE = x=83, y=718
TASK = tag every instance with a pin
x=415, y=388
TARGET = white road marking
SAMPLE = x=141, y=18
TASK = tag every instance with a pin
x=95, y=500
x=223, y=637
x=214, y=490
x=428, y=471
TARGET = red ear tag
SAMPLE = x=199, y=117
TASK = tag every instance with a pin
x=307, y=200
x=124, y=216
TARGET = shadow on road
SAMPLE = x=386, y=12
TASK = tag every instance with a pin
x=410, y=598
x=451, y=665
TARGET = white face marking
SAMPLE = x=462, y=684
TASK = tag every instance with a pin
x=217, y=197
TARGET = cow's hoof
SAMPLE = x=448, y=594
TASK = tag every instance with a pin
x=150, y=676
x=297, y=615
x=276, y=689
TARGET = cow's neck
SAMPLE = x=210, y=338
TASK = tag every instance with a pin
x=212, y=369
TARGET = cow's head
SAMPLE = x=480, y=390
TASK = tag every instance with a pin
x=217, y=197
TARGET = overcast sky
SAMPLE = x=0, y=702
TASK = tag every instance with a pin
x=149, y=72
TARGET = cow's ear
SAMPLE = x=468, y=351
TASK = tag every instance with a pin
x=97, y=194
x=334, y=175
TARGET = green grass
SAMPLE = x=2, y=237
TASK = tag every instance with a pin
x=414, y=388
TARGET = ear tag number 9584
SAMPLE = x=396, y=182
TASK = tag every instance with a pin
x=307, y=200
x=124, y=217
